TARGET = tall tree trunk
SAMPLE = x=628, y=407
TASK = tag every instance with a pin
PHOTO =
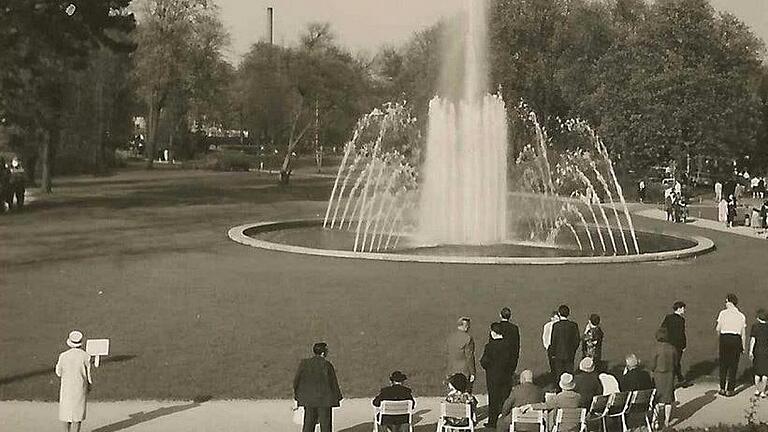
x=152, y=122
x=45, y=160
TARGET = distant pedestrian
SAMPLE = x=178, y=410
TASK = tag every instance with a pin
x=675, y=325
x=18, y=182
x=731, y=326
x=718, y=191
x=316, y=388
x=5, y=185
x=731, y=211
x=663, y=366
x=634, y=377
x=641, y=191
x=511, y=336
x=758, y=352
x=395, y=392
x=526, y=393
x=722, y=212
x=461, y=351
x=74, y=369
x=592, y=341
x=565, y=342
x=669, y=205
x=497, y=362
x=754, y=186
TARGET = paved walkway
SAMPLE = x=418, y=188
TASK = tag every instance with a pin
x=699, y=406
x=655, y=213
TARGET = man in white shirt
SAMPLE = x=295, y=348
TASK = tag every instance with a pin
x=546, y=336
x=731, y=326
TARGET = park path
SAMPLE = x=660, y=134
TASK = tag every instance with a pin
x=699, y=406
x=655, y=213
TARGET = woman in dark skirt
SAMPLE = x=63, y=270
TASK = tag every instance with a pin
x=663, y=367
x=758, y=352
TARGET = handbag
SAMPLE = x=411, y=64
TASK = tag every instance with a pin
x=298, y=415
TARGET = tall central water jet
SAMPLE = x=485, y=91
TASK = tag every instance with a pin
x=463, y=192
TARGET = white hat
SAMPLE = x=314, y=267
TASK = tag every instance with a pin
x=75, y=339
x=566, y=382
x=587, y=364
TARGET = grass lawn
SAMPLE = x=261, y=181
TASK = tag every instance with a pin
x=143, y=258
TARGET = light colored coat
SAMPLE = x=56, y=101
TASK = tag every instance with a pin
x=74, y=368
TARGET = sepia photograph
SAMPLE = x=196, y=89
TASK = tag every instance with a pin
x=384, y=216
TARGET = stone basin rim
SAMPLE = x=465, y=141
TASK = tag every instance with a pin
x=702, y=245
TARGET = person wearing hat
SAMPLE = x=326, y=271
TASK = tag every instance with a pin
x=74, y=369
x=459, y=392
x=567, y=398
x=634, y=377
x=395, y=392
x=497, y=361
x=663, y=367
x=461, y=351
x=588, y=383
x=316, y=388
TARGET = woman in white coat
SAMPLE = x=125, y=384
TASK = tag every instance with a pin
x=74, y=368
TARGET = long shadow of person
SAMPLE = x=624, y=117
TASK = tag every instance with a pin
x=49, y=370
x=688, y=409
x=368, y=426
x=142, y=417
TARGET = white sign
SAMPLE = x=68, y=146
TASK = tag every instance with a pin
x=97, y=348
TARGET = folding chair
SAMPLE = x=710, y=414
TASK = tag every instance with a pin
x=391, y=408
x=641, y=405
x=617, y=407
x=529, y=416
x=598, y=408
x=457, y=411
x=569, y=419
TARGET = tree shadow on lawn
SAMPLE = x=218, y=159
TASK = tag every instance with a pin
x=142, y=417
x=47, y=371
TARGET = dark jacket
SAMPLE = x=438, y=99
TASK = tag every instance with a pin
x=497, y=360
x=588, y=385
x=395, y=392
x=675, y=325
x=565, y=340
x=315, y=384
x=522, y=394
x=635, y=379
x=511, y=334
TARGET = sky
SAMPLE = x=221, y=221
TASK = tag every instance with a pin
x=365, y=25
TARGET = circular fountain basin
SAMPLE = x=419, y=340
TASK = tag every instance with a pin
x=308, y=237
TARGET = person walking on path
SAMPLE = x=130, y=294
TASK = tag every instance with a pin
x=74, y=369
x=718, y=191
x=565, y=342
x=731, y=217
x=731, y=327
x=461, y=352
x=675, y=325
x=758, y=352
x=395, y=392
x=18, y=183
x=525, y=393
x=592, y=341
x=497, y=362
x=316, y=388
x=663, y=367
x=510, y=335
x=722, y=212
x=634, y=377
x=641, y=191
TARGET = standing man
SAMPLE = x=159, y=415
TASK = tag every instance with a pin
x=5, y=185
x=511, y=336
x=732, y=328
x=497, y=362
x=18, y=183
x=546, y=338
x=461, y=351
x=675, y=325
x=565, y=341
x=718, y=191
x=641, y=191
x=395, y=392
x=316, y=388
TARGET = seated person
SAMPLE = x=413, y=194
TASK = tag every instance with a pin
x=457, y=393
x=587, y=382
x=568, y=398
x=395, y=392
x=526, y=393
x=634, y=377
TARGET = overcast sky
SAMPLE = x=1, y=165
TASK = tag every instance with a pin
x=367, y=24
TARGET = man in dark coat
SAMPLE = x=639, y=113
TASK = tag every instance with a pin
x=634, y=378
x=395, y=392
x=497, y=362
x=510, y=335
x=316, y=388
x=675, y=325
x=565, y=341
x=588, y=383
x=5, y=186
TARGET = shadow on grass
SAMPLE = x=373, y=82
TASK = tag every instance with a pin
x=46, y=371
x=142, y=417
x=417, y=417
x=690, y=408
x=701, y=369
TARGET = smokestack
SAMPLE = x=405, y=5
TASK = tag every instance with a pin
x=271, y=25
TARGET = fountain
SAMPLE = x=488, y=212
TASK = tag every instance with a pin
x=457, y=199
